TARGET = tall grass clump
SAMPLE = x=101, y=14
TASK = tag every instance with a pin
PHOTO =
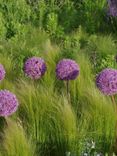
x=45, y=116
x=15, y=141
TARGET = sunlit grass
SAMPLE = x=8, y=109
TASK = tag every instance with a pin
x=15, y=141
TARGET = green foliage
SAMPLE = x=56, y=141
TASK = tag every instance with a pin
x=15, y=14
x=103, y=51
x=56, y=17
x=68, y=16
x=93, y=15
x=52, y=23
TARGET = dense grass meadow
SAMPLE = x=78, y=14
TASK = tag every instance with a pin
x=54, y=119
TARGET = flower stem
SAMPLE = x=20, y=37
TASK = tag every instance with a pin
x=114, y=103
x=115, y=109
x=68, y=94
x=7, y=121
x=67, y=85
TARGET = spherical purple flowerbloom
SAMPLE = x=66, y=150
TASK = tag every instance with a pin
x=67, y=69
x=8, y=103
x=35, y=67
x=2, y=72
x=112, y=10
x=107, y=81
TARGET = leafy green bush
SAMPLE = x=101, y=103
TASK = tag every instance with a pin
x=93, y=14
x=15, y=14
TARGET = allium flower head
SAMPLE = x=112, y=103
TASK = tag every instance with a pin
x=2, y=72
x=35, y=67
x=107, y=81
x=112, y=11
x=8, y=103
x=67, y=69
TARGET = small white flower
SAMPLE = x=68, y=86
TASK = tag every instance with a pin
x=68, y=153
x=85, y=154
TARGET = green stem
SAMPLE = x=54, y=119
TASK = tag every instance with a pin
x=115, y=109
x=67, y=85
x=114, y=103
x=68, y=93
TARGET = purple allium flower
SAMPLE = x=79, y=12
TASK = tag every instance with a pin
x=107, y=81
x=35, y=67
x=8, y=103
x=112, y=10
x=67, y=69
x=2, y=72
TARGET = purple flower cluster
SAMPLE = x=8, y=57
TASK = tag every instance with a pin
x=8, y=103
x=67, y=69
x=107, y=81
x=2, y=72
x=112, y=11
x=35, y=67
